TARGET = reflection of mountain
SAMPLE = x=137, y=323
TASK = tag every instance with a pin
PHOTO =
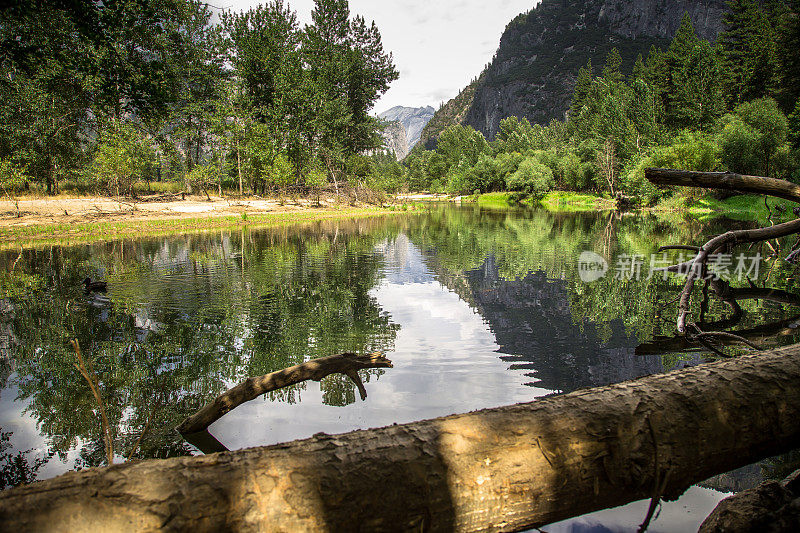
x=531, y=321
x=737, y=480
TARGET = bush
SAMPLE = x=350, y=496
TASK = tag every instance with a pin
x=123, y=155
x=387, y=176
x=532, y=179
x=752, y=137
x=282, y=172
x=690, y=150
x=12, y=176
x=203, y=177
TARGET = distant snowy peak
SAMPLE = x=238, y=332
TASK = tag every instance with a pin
x=413, y=120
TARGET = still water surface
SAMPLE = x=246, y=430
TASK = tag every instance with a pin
x=475, y=308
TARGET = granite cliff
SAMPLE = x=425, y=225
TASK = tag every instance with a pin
x=533, y=72
x=395, y=139
x=413, y=120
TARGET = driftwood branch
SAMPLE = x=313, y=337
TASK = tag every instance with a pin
x=765, y=333
x=502, y=469
x=346, y=363
x=730, y=238
x=726, y=181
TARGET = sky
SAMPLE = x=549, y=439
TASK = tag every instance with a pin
x=438, y=46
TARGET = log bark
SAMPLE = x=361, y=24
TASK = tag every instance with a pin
x=727, y=181
x=500, y=469
x=346, y=363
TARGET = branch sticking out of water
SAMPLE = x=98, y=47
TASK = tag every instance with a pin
x=346, y=363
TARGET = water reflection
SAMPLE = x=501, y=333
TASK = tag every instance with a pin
x=476, y=309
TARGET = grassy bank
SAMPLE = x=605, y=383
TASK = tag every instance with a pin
x=740, y=207
x=75, y=233
x=557, y=201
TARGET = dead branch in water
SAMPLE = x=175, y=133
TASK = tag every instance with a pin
x=346, y=363
x=725, y=181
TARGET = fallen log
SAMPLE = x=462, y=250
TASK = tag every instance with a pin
x=508, y=468
x=728, y=181
x=346, y=363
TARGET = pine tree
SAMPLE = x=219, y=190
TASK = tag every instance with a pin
x=788, y=56
x=611, y=69
x=582, y=86
x=692, y=94
x=748, y=51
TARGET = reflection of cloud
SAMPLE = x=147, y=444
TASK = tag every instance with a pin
x=26, y=435
x=684, y=514
x=445, y=361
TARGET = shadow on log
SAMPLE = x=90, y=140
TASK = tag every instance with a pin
x=346, y=363
x=508, y=468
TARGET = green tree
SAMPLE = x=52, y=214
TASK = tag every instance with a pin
x=788, y=58
x=123, y=155
x=348, y=70
x=752, y=137
x=532, y=179
x=458, y=143
x=748, y=52
x=794, y=126
x=582, y=86
x=692, y=90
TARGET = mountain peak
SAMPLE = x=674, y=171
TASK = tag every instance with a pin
x=533, y=73
x=413, y=120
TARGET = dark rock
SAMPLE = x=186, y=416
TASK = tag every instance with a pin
x=771, y=507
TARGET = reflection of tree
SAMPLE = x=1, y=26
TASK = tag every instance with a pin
x=519, y=271
x=185, y=318
x=17, y=468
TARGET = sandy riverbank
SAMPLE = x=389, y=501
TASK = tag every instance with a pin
x=78, y=210
x=75, y=219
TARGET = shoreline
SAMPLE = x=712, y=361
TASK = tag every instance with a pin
x=75, y=220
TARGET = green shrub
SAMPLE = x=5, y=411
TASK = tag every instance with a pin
x=532, y=179
x=461, y=179
x=123, y=156
x=752, y=137
x=12, y=176
x=203, y=177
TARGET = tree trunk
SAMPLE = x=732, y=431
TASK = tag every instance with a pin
x=507, y=468
x=239, y=166
x=726, y=181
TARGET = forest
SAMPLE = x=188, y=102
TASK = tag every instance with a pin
x=102, y=97
x=175, y=95
x=730, y=105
